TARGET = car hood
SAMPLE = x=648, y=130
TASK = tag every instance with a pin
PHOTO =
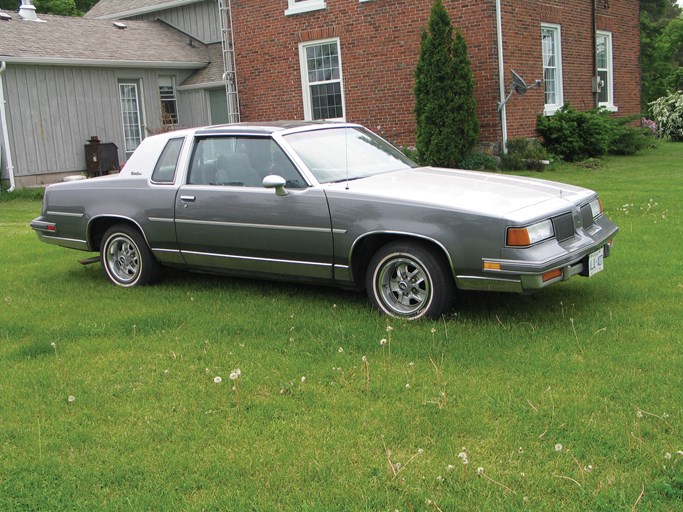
x=486, y=193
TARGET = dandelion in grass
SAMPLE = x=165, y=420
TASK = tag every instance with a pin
x=340, y=350
x=234, y=377
x=303, y=379
x=71, y=399
x=667, y=456
x=366, y=372
x=480, y=471
x=390, y=329
x=217, y=379
x=558, y=447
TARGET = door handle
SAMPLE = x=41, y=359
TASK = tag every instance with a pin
x=187, y=199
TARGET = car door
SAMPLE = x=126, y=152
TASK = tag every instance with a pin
x=226, y=220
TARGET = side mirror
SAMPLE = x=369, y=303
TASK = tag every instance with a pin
x=276, y=182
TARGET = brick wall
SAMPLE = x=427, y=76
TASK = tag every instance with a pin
x=379, y=45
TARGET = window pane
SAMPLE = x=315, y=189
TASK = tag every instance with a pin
x=164, y=172
x=327, y=101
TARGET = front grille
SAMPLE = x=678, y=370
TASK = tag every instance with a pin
x=587, y=216
x=564, y=226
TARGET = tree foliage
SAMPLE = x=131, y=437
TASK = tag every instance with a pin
x=661, y=49
x=445, y=109
x=60, y=7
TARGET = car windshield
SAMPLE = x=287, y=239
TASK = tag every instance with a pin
x=340, y=154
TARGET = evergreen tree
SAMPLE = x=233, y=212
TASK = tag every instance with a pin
x=445, y=109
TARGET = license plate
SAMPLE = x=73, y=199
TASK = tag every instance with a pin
x=596, y=262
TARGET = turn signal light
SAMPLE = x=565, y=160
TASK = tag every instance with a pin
x=552, y=274
x=490, y=265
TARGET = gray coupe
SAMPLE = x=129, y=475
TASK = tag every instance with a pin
x=329, y=203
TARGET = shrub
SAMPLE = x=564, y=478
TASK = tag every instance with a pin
x=524, y=154
x=668, y=114
x=574, y=135
x=476, y=161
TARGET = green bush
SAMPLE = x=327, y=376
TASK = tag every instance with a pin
x=667, y=112
x=575, y=136
x=476, y=161
x=524, y=154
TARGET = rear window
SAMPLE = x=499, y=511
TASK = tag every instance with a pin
x=164, y=171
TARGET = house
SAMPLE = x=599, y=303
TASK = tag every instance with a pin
x=306, y=59
x=65, y=80
x=355, y=59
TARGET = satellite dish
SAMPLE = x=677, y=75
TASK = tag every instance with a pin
x=518, y=84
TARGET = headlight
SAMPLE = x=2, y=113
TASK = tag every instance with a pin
x=529, y=235
x=596, y=207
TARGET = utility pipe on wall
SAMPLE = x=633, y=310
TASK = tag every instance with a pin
x=501, y=76
x=5, y=133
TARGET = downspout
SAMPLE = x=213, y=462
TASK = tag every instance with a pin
x=5, y=133
x=501, y=76
x=594, y=20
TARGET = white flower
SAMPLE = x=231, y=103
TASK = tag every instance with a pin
x=303, y=379
x=71, y=399
x=433, y=330
x=667, y=456
x=340, y=350
x=480, y=471
x=217, y=379
x=383, y=341
x=558, y=447
x=235, y=374
x=462, y=455
x=407, y=385
x=440, y=478
x=389, y=328
x=364, y=359
x=639, y=414
x=53, y=344
x=450, y=467
x=420, y=451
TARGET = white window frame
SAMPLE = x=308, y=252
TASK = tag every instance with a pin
x=306, y=85
x=550, y=108
x=301, y=6
x=170, y=98
x=139, y=111
x=608, y=70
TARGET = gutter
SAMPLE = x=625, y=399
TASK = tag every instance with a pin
x=145, y=10
x=501, y=76
x=5, y=133
x=52, y=61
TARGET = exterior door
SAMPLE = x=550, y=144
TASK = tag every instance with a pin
x=225, y=218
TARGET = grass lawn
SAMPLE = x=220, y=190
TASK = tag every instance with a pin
x=570, y=399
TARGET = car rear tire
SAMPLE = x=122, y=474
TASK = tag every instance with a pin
x=126, y=259
x=408, y=280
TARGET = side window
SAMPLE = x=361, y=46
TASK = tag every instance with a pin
x=240, y=162
x=164, y=171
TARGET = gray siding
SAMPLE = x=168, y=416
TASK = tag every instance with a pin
x=52, y=112
x=198, y=20
x=193, y=106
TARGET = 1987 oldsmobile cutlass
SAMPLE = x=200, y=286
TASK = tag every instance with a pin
x=327, y=203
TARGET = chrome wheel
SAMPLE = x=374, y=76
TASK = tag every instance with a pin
x=122, y=259
x=410, y=279
x=404, y=286
x=126, y=259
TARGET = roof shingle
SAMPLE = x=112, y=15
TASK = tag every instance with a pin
x=125, y=8
x=98, y=42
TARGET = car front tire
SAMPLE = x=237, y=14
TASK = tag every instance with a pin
x=407, y=280
x=126, y=259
